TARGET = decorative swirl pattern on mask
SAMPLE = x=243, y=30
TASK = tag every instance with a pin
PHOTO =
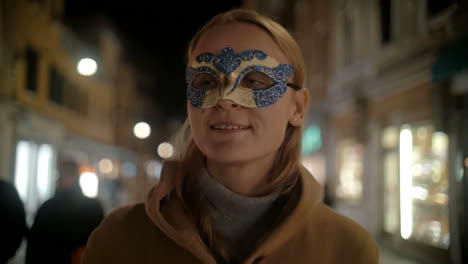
x=270, y=95
x=196, y=96
x=228, y=60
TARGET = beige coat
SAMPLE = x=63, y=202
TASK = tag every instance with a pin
x=158, y=232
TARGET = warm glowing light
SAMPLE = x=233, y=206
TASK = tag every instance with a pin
x=420, y=193
x=87, y=67
x=22, y=168
x=44, y=171
x=105, y=166
x=165, y=150
x=406, y=185
x=89, y=184
x=389, y=138
x=142, y=130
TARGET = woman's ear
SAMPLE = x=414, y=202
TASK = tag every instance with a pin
x=301, y=101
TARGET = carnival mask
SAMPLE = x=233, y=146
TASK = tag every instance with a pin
x=250, y=78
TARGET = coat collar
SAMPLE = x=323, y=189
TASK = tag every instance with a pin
x=167, y=215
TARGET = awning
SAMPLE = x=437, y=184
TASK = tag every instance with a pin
x=453, y=59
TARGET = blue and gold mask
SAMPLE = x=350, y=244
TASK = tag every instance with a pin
x=250, y=78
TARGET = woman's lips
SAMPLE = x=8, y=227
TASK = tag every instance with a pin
x=229, y=126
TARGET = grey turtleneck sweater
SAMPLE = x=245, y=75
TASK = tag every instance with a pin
x=239, y=220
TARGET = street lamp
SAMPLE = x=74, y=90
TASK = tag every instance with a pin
x=142, y=130
x=87, y=67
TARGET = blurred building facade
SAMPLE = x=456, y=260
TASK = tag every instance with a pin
x=388, y=81
x=48, y=110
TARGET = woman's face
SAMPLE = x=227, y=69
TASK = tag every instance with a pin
x=227, y=131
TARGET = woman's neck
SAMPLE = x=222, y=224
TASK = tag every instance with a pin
x=246, y=178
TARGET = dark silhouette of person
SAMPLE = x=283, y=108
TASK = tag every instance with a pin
x=12, y=221
x=328, y=197
x=63, y=223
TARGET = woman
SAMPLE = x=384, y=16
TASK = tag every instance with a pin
x=236, y=192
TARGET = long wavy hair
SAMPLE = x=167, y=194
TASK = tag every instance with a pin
x=284, y=173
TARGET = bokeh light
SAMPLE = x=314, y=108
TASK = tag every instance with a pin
x=165, y=150
x=87, y=67
x=89, y=184
x=142, y=130
x=105, y=166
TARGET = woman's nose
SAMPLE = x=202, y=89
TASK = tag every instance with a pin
x=227, y=104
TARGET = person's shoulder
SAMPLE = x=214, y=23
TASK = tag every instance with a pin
x=124, y=230
x=125, y=215
x=340, y=221
x=91, y=202
x=350, y=236
x=7, y=190
x=5, y=185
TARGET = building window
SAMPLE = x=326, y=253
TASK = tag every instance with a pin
x=434, y=7
x=32, y=63
x=66, y=94
x=386, y=21
x=76, y=99
x=57, y=84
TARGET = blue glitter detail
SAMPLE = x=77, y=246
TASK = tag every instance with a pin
x=270, y=95
x=196, y=96
x=278, y=74
x=228, y=60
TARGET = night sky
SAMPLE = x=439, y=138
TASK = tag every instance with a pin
x=155, y=37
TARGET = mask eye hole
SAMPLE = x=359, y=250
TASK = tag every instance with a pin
x=205, y=81
x=256, y=80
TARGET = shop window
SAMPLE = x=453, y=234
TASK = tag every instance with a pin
x=32, y=63
x=389, y=142
x=424, y=183
x=34, y=174
x=350, y=169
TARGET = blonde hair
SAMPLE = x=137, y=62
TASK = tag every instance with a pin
x=190, y=159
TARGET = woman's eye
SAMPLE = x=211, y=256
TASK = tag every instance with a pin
x=205, y=81
x=256, y=80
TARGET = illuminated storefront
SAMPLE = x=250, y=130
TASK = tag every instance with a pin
x=350, y=170
x=416, y=184
x=413, y=161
